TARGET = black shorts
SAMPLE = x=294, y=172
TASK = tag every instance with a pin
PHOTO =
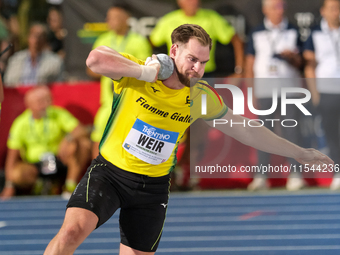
x=143, y=201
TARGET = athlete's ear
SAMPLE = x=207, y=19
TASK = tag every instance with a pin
x=173, y=50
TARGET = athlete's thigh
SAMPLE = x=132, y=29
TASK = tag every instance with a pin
x=141, y=227
x=97, y=193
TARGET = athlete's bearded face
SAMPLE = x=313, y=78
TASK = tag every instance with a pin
x=190, y=60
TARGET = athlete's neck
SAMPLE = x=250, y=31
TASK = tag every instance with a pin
x=173, y=82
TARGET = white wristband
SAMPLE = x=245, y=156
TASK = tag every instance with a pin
x=148, y=73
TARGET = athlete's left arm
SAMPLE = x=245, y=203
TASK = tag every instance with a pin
x=265, y=140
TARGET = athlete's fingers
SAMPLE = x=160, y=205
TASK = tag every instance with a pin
x=154, y=57
x=147, y=61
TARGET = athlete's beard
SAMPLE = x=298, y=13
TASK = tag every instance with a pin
x=185, y=80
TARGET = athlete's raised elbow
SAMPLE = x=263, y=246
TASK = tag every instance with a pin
x=93, y=60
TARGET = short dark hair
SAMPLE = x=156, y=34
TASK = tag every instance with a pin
x=185, y=32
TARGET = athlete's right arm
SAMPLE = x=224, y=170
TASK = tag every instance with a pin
x=108, y=62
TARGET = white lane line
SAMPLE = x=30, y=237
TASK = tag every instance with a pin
x=187, y=239
x=2, y=224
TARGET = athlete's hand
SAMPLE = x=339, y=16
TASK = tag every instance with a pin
x=153, y=62
x=313, y=157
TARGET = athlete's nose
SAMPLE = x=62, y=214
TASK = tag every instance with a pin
x=198, y=66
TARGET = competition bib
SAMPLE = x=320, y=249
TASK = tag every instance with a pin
x=150, y=144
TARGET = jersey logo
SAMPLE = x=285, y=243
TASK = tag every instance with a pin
x=188, y=101
x=154, y=90
x=209, y=93
x=165, y=205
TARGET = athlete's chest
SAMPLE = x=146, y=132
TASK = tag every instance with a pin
x=153, y=104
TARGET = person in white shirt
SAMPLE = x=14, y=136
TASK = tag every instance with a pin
x=322, y=55
x=273, y=59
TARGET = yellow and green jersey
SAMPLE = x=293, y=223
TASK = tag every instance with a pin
x=148, y=120
x=34, y=137
x=213, y=23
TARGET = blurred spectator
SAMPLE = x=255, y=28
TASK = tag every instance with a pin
x=120, y=38
x=273, y=51
x=5, y=36
x=35, y=65
x=215, y=25
x=322, y=55
x=30, y=11
x=45, y=142
x=57, y=32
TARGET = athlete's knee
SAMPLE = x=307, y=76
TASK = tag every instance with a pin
x=78, y=224
x=70, y=235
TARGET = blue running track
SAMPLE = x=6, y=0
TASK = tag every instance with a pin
x=238, y=223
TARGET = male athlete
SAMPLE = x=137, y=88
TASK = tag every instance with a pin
x=138, y=147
